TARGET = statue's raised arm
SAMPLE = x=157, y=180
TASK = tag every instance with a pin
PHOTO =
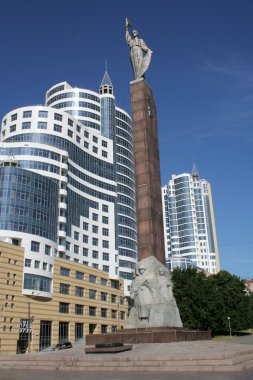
x=140, y=54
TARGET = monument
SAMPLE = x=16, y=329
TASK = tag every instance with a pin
x=154, y=316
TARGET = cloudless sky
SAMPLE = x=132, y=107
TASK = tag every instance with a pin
x=201, y=75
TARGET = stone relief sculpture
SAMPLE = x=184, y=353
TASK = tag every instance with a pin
x=152, y=293
x=140, y=54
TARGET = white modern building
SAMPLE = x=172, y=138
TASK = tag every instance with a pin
x=189, y=225
x=67, y=184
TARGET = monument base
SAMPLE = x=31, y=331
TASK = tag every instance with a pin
x=148, y=335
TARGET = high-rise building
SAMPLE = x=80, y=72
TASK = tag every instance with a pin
x=189, y=225
x=67, y=184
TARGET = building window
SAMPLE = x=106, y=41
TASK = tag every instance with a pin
x=114, y=329
x=85, y=226
x=76, y=235
x=105, y=219
x=95, y=254
x=67, y=245
x=41, y=125
x=76, y=249
x=13, y=128
x=95, y=229
x=70, y=122
x=44, y=266
x=35, y=246
x=103, y=296
x=104, y=329
x=113, y=298
x=94, y=265
x=103, y=281
x=105, y=244
x=36, y=264
x=78, y=128
x=104, y=154
x=27, y=114
x=105, y=256
x=28, y=263
x=92, y=311
x=70, y=133
x=79, y=291
x=58, y=117
x=92, y=278
x=64, y=272
x=86, y=134
x=86, y=144
x=104, y=143
x=85, y=251
x=115, y=284
x=43, y=114
x=95, y=139
x=105, y=231
x=57, y=128
x=94, y=149
x=114, y=314
x=85, y=238
x=79, y=275
x=78, y=139
x=63, y=332
x=95, y=217
x=104, y=208
x=64, y=288
x=122, y=315
x=26, y=125
x=105, y=268
x=47, y=250
x=63, y=307
x=103, y=313
x=78, y=331
x=95, y=241
x=14, y=117
x=79, y=309
x=92, y=294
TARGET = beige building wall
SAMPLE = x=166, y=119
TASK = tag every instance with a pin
x=108, y=308
x=213, y=227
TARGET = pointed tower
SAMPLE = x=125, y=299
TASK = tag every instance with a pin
x=195, y=173
x=108, y=117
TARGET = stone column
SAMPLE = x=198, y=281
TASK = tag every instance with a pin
x=147, y=172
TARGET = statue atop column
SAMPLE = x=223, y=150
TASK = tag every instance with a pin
x=140, y=54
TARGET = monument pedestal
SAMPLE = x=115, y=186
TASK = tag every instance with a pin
x=148, y=335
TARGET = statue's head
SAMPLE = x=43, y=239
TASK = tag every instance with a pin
x=142, y=269
x=135, y=33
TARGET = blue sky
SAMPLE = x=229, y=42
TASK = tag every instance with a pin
x=201, y=75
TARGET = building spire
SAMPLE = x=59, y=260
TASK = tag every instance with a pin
x=106, y=86
x=195, y=172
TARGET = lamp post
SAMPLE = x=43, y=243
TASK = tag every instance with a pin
x=30, y=319
x=229, y=326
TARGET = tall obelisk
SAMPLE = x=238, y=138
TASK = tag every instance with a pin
x=146, y=154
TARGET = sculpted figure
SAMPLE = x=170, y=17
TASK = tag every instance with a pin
x=140, y=54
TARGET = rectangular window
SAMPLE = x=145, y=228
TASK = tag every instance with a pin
x=114, y=314
x=13, y=128
x=105, y=219
x=122, y=315
x=79, y=291
x=85, y=251
x=64, y=307
x=35, y=246
x=103, y=313
x=36, y=264
x=85, y=226
x=41, y=125
x=103, y=281
x=26, y=125
x=70, y=122
x=43, y=114
x=95, y=139
x=113, y=298
x=78, y=139
x=92, y=278
x=14, y=117
x=105, y=256
x=86, y=134
x=95, y=217
x=95, y=254
x=27, y=114
x=86, y=144
x=79, y=309
x=92, y=294
x=105, y=244
x=57, y=128
x=28, y=263
x=95, y=242
x=85, y=238
x=105, y=268
x=64, y=272
x=78, y=331
x=104, y=208
x=79, y=275
x=78, y=128
x=105, y=231
x=94, y=149
x=76, y=249
x=104, y=143
x=47, y=250
x=95, y=229
x=76, y=235
x=44, y=266
x=104, y=154
x=70, y=133
x=104, y=329
x=58, y=117
x=103, y=296
x=92, y=311
x=64, y=288
x=63, y=332
x=94, y=265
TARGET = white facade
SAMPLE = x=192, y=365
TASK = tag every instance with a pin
x=189, y=227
